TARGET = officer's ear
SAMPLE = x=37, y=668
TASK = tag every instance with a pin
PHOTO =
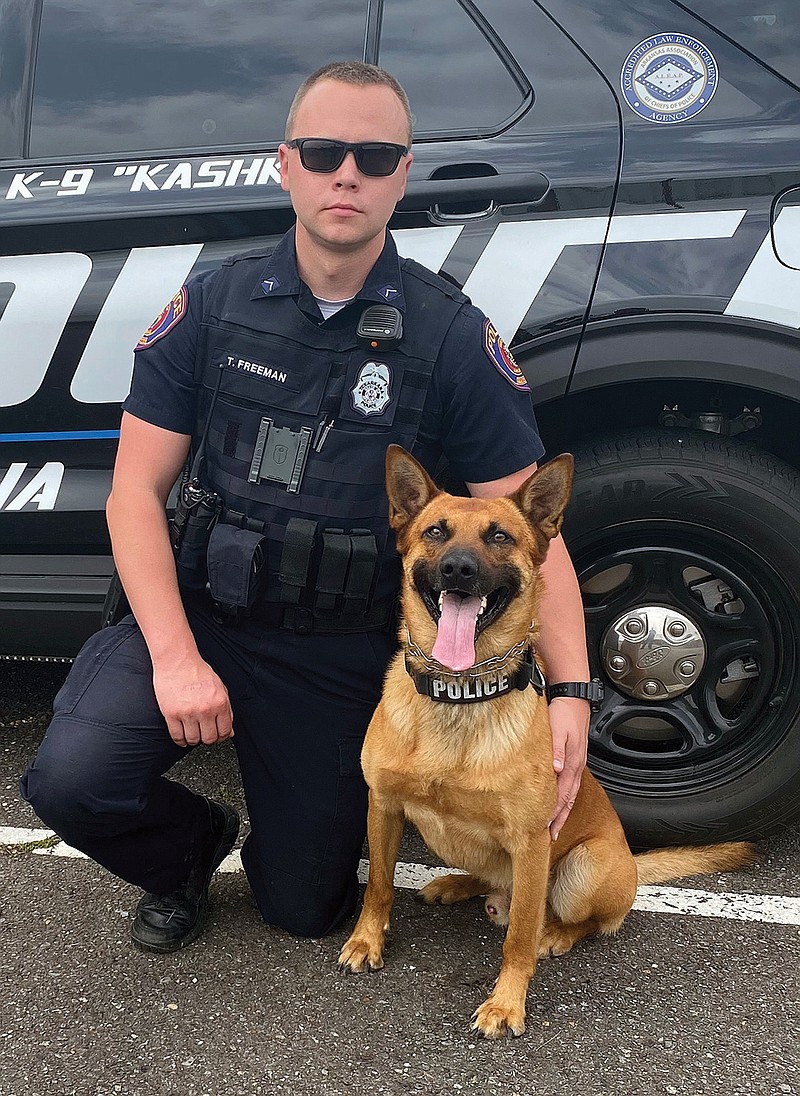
x=408, y=486
x=283, y=163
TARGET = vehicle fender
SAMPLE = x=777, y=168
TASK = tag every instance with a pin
x=718, y=348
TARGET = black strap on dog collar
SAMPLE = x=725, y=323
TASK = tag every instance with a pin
x=457, y=689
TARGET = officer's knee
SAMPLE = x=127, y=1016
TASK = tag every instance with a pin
x=300, y=908
x=59, y=783
x=310, y=921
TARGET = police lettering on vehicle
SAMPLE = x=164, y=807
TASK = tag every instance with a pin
x=669, y=78
x=766, y=291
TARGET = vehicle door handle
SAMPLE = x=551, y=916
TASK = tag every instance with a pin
x=529, y=187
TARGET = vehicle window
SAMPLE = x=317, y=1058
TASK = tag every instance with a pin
x=769, y=29
x=187, y=74
x=458, y=79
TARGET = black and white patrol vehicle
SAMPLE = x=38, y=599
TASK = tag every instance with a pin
x=610, y=181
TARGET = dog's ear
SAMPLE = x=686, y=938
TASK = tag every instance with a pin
x=408, y=486
x=543, y=497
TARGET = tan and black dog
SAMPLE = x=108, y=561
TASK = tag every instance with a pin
x=460, y=745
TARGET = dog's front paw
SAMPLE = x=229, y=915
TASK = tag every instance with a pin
x=496, y=1019
x=360, y=954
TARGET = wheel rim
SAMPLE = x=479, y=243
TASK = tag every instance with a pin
x=738, y=691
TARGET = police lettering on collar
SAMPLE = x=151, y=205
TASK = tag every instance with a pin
x=486, y=687
x=476, y=689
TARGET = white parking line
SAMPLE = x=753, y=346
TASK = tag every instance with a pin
x=769, y=908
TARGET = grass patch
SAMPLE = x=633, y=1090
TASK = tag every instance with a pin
x=29, y=846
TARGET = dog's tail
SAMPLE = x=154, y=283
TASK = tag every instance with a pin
x=662, y=865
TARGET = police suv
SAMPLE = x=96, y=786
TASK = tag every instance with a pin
x=611, y=182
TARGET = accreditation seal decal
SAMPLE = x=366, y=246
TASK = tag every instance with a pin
x=669, y=78
x=372, y=391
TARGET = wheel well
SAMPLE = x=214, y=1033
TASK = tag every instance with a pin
x=571, y=421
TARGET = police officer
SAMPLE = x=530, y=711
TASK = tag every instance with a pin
x=277, y=624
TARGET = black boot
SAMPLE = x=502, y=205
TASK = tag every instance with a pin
x=171, y=922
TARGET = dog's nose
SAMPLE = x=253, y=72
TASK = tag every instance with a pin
x=458, y=567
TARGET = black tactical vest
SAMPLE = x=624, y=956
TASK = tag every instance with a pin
x=336, y=405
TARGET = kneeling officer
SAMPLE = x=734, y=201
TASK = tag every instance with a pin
x=273, y=615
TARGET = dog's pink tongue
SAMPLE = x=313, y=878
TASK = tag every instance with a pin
x=455, y=638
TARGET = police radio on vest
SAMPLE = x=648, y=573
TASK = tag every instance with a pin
x=380, y=327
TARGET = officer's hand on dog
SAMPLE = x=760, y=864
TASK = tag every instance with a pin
x=193, y=701
x=569, y=724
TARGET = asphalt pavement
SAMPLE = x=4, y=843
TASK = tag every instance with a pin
x=676, y=1003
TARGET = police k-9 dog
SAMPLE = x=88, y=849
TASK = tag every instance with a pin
x=460, y=744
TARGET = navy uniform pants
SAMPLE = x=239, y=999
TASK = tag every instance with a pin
x=301, y=707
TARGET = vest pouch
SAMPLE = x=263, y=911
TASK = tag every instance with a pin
x=236, y=566
x=190, y=565
x=196, y=513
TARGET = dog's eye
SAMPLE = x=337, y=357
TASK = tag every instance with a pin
x=435, y=532
x=499, y=537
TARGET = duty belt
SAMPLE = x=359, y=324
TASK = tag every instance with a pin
x=296, y=618
x=382, y=616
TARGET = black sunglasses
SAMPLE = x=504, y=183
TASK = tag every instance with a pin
x=372, y=157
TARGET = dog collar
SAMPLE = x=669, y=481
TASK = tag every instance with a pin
x=471, y=688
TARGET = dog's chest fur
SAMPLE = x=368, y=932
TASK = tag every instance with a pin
x=467, y=825
x=473, y=779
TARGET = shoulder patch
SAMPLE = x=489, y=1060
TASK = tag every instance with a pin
x=172, y=315
x=502, y=358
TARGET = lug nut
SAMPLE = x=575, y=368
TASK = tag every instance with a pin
x=651, y=688
x=686, y=669
x=617, y=663
x=677, y=628
x=634, y=627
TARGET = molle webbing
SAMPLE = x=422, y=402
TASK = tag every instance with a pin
x=298, y=547
x=361, y=573
x=332, y=570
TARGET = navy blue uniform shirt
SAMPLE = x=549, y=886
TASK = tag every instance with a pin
x=474, y=416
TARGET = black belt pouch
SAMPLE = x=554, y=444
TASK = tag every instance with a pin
x=236, y=566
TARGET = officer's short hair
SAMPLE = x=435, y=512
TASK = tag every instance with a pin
x=349, y=72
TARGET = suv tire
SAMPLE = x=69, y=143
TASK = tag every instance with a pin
x=687, y=548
